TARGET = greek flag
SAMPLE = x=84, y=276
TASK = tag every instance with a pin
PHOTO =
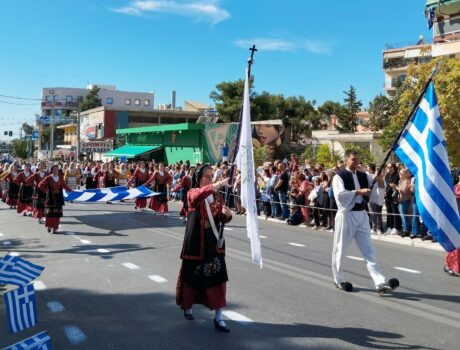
x=109, y=194
x=17, y=271
x=21, y=309
x=422, y=148
x=40, y=341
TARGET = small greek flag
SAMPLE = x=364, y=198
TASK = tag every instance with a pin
x=40, y=341
x=17, y=271
x=422, y=148
x=112, y=194
x=265, y=197
x=21, y=309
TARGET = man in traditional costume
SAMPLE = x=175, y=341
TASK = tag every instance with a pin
x=203, y=274
x=53, y=185
x=160, y=181
x=351, y=190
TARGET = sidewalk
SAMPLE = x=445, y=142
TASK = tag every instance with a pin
x=417, y=242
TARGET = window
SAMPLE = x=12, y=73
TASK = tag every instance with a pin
x=56, y=97
x=109, y=100
x=137, y=102
x=48, y=98
x=146, y=102
x=68, y=98
x=128, y=101
x=80, y=98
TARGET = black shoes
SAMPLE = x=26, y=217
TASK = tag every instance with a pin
x=450, y=272
x=188, y=316
x=392, y=284
x=221, y=328
x=345, y=286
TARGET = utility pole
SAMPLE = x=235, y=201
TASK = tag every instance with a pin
x=52, y=123
x=78, y=129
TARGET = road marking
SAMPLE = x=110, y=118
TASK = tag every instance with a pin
x=55, y=307
x=262, y=236
x=228, y=229
x=130, y=266
x=39, y=285
x=85, y=241
x=297, y=244
x=1, y=234
x=158, y=279
x=235, y=316
x=74, y=334
x=354, y=258
x=406, y=270
x=6, y=243
x=102, y=250
x=13, y=253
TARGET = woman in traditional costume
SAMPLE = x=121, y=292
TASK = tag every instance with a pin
x=203, y=274
x=39, y=197
x=25, y=191
x=160, y=181
x=183, y=186
x=139, y=178
x=53, y=185
x=13, y=189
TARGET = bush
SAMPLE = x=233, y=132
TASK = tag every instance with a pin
x=261, y=155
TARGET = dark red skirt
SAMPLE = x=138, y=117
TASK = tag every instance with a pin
x=52, y=223
x=156, y=205
x=140, y=202
x=23, y=207
x=11, y=201
x=453, y=261
x=38, y=213
x=212, y=297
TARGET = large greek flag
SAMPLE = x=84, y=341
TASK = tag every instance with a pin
x=21, y=309
x=111, y=194
x=245, y=163
x=422, y=148
x=17, y=271
x=40, y=341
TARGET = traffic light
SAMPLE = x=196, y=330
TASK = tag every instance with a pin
x=5, y=133
x=10, y=134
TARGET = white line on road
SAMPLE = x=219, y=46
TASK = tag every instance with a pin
x=74, y=334
x=235, y=316
x=55, y=307
x=130, y=266
x=39, y=285
x=354, y=258
x=297, y=244
x=6, y=243
x=1, y=234
x=158, y=279
x=228, y=229
x=406, y=270
x=102, y=250
x=262, y=236
x=13, y=253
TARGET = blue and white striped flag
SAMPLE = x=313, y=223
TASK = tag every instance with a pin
x=17, y=271
x=21, y=309
x=422, y=148
x=40, y=341
x=111, y=194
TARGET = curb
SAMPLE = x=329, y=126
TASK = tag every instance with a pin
x=417, y=243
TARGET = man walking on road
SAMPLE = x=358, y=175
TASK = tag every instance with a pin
x=351, y=191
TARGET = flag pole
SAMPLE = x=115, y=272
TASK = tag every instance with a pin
x=236, y=146
x=414, y=109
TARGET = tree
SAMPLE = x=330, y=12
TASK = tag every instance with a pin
x=91, y=100
x=309, y=153
x=27, y=128
x=447, y=86
x=261, y=154
x=19, y=148
x=325, y=154
x=347, y=116
x=227, y=98
x=365, y=155
x=380, y=110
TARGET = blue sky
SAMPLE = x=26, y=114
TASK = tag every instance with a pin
x=310, y=48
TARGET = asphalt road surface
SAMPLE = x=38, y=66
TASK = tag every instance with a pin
x=109, y=283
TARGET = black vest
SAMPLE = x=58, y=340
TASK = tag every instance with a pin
x=349, y=184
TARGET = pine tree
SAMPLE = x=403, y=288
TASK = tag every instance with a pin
x=91, y=100
x=347, y=117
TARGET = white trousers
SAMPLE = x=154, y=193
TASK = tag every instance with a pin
x=349, y=226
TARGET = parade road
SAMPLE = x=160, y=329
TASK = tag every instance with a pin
x=110, y=277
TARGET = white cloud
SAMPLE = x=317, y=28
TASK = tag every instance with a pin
x=313, y=46
x=201, y=10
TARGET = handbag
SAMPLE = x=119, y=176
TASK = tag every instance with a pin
x=395, y=196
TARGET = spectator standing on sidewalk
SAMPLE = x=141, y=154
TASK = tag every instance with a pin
x=281, y=188
x=376, y=200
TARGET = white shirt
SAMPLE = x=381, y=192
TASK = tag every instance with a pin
x=345, y=199
x=378, y=193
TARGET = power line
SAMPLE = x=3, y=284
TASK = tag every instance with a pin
x=19, y=104
x=21, y=98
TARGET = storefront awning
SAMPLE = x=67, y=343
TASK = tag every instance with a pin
x=130, y=151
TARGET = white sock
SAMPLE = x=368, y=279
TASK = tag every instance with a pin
x=189, y=311
x=218, y=315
